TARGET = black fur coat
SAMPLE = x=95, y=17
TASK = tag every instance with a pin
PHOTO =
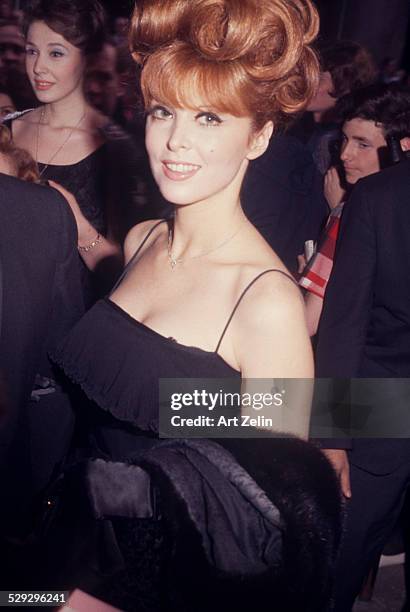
x=236, y=525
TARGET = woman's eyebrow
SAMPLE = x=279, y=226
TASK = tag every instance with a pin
x=56, y=44
x=361, y=139
x=52, y=44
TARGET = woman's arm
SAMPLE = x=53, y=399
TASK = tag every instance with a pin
x=93, y=247
x=313, y=302
x=314, y=305
x=272, y=343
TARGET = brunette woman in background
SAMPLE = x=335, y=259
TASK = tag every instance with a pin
x=70, y=140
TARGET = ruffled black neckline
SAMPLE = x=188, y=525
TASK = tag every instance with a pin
x=165, y=339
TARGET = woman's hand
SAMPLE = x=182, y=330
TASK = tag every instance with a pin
x=334, y=193
x=101, y=252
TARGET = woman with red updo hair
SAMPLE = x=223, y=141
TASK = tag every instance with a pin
x=204, y=297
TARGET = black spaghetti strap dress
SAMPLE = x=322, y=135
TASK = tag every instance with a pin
x=118, y=362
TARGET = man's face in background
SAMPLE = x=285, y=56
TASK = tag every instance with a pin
x=102, y=83
x=360, y=153
x=12, y=47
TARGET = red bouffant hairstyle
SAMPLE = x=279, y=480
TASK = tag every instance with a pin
x=246, y=57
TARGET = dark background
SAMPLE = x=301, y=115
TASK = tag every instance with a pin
x=381, y=25
x=119, y=7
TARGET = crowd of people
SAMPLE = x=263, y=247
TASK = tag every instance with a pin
x=199, y=192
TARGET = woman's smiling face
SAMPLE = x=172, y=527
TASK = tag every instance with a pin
x=196, y=154
x=54, y=66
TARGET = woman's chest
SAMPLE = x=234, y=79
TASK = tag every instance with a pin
x=59, y=146
x=191, y=307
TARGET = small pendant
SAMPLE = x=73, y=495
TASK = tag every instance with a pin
x=173, y=262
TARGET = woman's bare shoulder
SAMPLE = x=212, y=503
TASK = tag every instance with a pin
x=137, y=234
x=270, y=334
x=271, y=299
x=263, y=281
x=273, y=288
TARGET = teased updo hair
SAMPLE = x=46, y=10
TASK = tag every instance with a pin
x=246, y=57
x=81, y=22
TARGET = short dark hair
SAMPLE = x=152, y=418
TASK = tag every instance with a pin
x=81, y=22
x=386, y=105
x=351, y=66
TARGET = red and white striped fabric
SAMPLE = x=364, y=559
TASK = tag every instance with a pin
x=316, y=274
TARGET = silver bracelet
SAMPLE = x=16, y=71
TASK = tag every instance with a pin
x=97, y=240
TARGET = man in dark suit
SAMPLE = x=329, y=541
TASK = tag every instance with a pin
x=364, y=332
x=40, y=298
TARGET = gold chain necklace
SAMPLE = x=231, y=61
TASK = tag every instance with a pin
x=41, y=122
x=173, y=261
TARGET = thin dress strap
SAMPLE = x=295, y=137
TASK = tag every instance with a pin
x=133, y=258
x=243, y=294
